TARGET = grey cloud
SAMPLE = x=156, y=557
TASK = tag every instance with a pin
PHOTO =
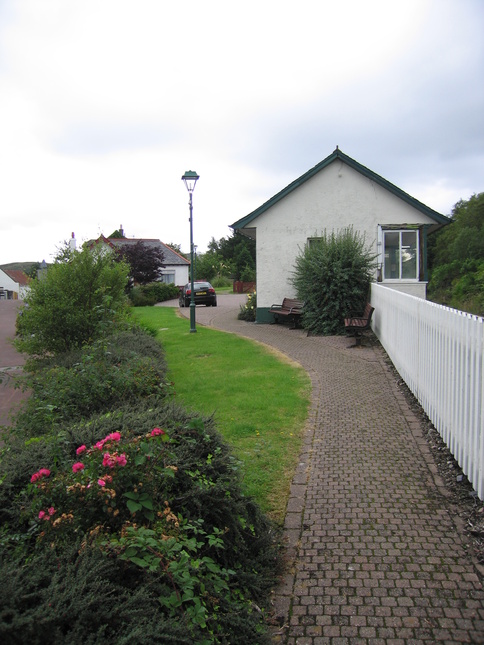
x=101, y=138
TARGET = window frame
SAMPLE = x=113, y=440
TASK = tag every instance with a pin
x=400, y=231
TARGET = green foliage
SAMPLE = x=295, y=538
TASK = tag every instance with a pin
x=332, y=277
x=232, y=257
x=149, y=294
x=248, y=311
x=175, y=247
x=124, y=368
x=222, y=282
x=81, y=596
x=78, y=301
x=211, y=265
x=156, y=516
x=32, y=273
x=244, y=265
x=122, y=516
x=456, y=258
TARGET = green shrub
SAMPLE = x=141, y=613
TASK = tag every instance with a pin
x=76, y=302
x=80, y=596
x=124, y=368
x=149, y=294
x=158, y=518
x=248, y=311
x=221, y=281
x=138, y=298
x=332, y=276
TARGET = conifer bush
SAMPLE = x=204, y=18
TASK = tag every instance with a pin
x=332, y=276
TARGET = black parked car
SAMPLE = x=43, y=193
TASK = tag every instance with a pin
x=204, y=294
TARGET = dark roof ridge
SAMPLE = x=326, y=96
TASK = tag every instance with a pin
x=338, y=154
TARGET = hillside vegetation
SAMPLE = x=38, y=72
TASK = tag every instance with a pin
x=456, y=259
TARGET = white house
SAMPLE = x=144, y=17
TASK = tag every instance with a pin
x=176, y=269
x=14, y=284
x=336, y=194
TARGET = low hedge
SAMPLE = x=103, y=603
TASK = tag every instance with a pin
x=130, y=525
x=149, y=294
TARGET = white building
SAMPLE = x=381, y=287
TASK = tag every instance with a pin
x=336, y=194
x=14, y=284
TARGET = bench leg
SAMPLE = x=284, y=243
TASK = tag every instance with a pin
x=358, y=336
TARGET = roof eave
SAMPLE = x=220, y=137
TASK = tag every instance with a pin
x=337, y=154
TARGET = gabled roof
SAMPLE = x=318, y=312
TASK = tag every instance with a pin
x=18, y=276
x=337, y=154
x=171, y=257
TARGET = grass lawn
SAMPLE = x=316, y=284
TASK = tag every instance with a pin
x=258, y=398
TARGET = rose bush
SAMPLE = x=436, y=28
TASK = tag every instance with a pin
x=101, y=487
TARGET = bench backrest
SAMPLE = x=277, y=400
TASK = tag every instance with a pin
x=368, y=311
x=289, y=303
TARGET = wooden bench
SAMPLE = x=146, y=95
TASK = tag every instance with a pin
x=356, y=324
x=291, y=309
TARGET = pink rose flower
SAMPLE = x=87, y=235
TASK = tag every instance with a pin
x=77, y=467
x=101, y=482
x=157, y=431
x=109, y=461
x=114, y=436
x=43, y=472
x=121, y=460
x=51, y=510
x=80, y=450
x=99, y=445
x=41, y=514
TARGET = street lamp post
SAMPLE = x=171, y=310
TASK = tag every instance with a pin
x=190, y=179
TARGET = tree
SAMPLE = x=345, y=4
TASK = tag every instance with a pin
x=238, y=251
x=174, y=247
x=77, y=301
x=210, y=265
x=244, y=264
x=144, y=261
x=456, y=258
x=332, y=277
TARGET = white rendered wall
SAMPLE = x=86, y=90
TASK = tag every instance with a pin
x=335, y=198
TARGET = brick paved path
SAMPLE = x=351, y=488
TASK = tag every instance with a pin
x=376, y=556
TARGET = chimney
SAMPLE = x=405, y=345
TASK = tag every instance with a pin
x=121, y=230
x=72, y=242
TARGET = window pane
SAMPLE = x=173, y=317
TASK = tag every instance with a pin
x=392, y=255
x=409, y=255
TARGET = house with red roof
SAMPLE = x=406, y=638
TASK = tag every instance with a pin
x=176, y=267
x=14, y=284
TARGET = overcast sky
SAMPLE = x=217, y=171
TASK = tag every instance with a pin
x=104, y=104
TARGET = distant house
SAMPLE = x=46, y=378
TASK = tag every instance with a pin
x=14, y=284
x=340, y=193
x=176, y=269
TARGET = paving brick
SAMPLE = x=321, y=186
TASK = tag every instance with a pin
x=368, y=526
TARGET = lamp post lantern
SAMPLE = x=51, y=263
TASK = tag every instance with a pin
x=190, y=179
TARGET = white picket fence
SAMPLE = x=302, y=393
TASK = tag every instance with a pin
x=439, y=352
